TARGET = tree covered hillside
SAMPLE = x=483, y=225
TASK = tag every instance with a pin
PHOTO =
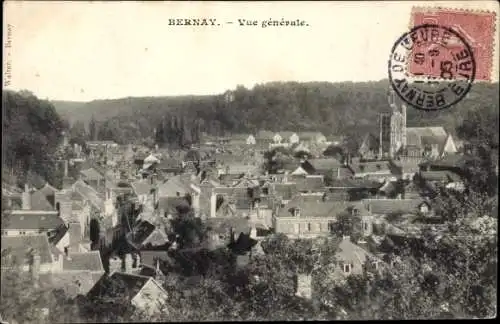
x=31, y=134
x=333, y=108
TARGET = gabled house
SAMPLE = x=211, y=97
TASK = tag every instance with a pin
x=307, y=217
x=143, y=292
x=353, y=259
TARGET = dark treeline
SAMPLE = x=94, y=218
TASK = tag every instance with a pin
x=333, y=108
x=32, y=131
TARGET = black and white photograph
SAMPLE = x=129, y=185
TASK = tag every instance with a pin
x=212, y=161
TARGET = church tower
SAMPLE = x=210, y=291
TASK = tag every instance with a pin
x=393, y=128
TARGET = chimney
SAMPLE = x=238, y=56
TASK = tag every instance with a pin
x=213, y=205
x=26, y=198
x=35, y=268
x=65, y=168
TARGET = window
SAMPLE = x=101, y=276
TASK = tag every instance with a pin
x=308, y=227
x=22, y=232
x=265, y=191
x=347, y=268
x=365, y=226
x=296, y=212
x=355, y=212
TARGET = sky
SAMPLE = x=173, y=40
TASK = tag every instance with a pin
x=83, y=51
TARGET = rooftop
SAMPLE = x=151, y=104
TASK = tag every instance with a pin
x=20, y=246
x=32, y=220
x=83, y=261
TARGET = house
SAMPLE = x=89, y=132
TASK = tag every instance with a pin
x=352, y=259
x=223, y=231
x=77, y=273
x=28, y=252
x=397, y=206
x=143, y=292
x=351, y=189
x=449, y=179
x=307, y=216
x=329, y=167
x=31, y=222
x=433, y=142
x=312, y=137
x=375, y=170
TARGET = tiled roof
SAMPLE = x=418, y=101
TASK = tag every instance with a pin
x=388, y=206
x=83, y=261
x=285, y=191
x=122, y=283
x=350, y=252
x=29, y=220
x=406, y=166
x=413, y=134
x=370, y=167
x=452, y=161
x=308, y=183
x=354, y=183
x=440, y=176
x=325, y=164
x=313, y=206
x=72, y=282
x=19, y=247
x=40, y=202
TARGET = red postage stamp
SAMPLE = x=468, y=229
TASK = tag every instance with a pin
x=476, y=28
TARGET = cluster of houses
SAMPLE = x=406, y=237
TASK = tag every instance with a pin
x=224, y=184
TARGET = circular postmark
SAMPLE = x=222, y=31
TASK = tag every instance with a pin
x=431, y=67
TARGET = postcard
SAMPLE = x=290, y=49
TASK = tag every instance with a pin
x=244, y=161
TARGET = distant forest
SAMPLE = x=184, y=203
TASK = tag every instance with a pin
x=333, y=108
